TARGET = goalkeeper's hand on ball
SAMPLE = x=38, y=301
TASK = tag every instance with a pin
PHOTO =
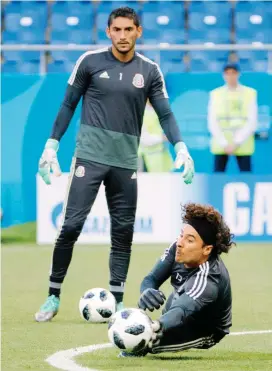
x=157, y=334
x=184, y=160
x=49, y=161
x=151, y=299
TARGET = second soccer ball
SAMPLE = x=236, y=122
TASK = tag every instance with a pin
x=97, y=305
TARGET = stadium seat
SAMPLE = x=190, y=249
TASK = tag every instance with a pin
x=24, y=37
x=163, y=15
x=209, y=15
x=69, y=37
x=203, y=61
x=21, y=67
x=72, y=37
x=254, y=15
x=253, y=22
x=160, y=37
x=22, y=15
x=214, y=36
x=258, y=38
x=250, y=65
x=163, y=23
x=210, y=23
x=102, y=38
x=72, y=15
x=253, y=61
x=169, y=67
x=60, y=67
x=109, y=6
x=154, y=55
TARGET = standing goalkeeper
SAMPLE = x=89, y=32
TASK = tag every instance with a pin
x=115, y=84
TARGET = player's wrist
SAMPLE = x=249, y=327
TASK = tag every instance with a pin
x=52, y=144
x=180, y=147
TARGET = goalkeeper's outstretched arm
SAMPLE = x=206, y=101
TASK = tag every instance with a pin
x=161, y=271
x=190, y=303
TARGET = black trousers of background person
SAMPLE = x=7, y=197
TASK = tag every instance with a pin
x=121, y=194
x=220, y=163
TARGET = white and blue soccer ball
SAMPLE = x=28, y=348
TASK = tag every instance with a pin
x=130, y=329
x=97, y=305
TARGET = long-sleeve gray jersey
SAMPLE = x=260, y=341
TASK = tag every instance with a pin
x=114, y=98
x=201, y=295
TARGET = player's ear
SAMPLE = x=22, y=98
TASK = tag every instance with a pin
x=207, y=249
x=139, y=32
x=108, y=32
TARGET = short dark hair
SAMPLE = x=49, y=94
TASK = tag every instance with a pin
x=124, y=12
x=231, y=66
x=223, y=237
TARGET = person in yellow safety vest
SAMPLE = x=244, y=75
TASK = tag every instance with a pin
x=232, y=121
x=153, y=150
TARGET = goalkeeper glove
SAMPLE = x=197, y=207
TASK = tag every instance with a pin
x=156, y=335
x=184, y=159
x=151, y=299
x=49, y=161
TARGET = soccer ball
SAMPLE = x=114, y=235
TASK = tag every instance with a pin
x=97, y=305
x=130, y=330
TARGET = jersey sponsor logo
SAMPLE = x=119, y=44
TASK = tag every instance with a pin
x=138, y=80
x=104, y=75
x=134, y=176
x=80, y=172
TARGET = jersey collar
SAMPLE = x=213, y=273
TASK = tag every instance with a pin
x=112, y=57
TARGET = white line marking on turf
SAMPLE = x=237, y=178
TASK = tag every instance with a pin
x=63, y=359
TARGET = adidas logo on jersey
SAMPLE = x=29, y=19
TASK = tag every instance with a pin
x=104, y=75
x=134, y=176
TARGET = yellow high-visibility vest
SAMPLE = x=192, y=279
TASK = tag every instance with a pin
x=156, y=157
x=232, y=109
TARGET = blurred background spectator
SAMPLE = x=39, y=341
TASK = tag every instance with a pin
x=232, y=120
x=154, y=154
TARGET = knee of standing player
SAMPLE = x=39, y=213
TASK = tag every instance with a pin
x=122, y=234
x=71, y=230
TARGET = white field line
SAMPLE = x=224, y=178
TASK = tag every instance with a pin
x=64, y=359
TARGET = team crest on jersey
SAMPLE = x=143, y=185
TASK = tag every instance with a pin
x=138, y=80
x=80, y=171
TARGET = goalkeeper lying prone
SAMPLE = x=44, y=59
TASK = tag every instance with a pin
x=198, y=312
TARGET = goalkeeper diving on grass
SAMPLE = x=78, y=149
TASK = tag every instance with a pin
x=198, y=314
x=114, y=84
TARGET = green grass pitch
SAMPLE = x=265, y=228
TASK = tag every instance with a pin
x=26, y=344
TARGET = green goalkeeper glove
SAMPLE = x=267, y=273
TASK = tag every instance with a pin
x=49, y=161
x=184, y=159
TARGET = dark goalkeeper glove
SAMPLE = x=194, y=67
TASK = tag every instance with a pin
x=151, y=299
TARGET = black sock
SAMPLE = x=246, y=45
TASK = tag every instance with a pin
x=118, y=296
x=53, y=291
x=117, y=290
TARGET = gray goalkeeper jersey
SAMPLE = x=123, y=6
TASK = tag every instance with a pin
x=201, y=295
x=114, y=98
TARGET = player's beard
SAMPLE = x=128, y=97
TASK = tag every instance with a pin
x=131, y=47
